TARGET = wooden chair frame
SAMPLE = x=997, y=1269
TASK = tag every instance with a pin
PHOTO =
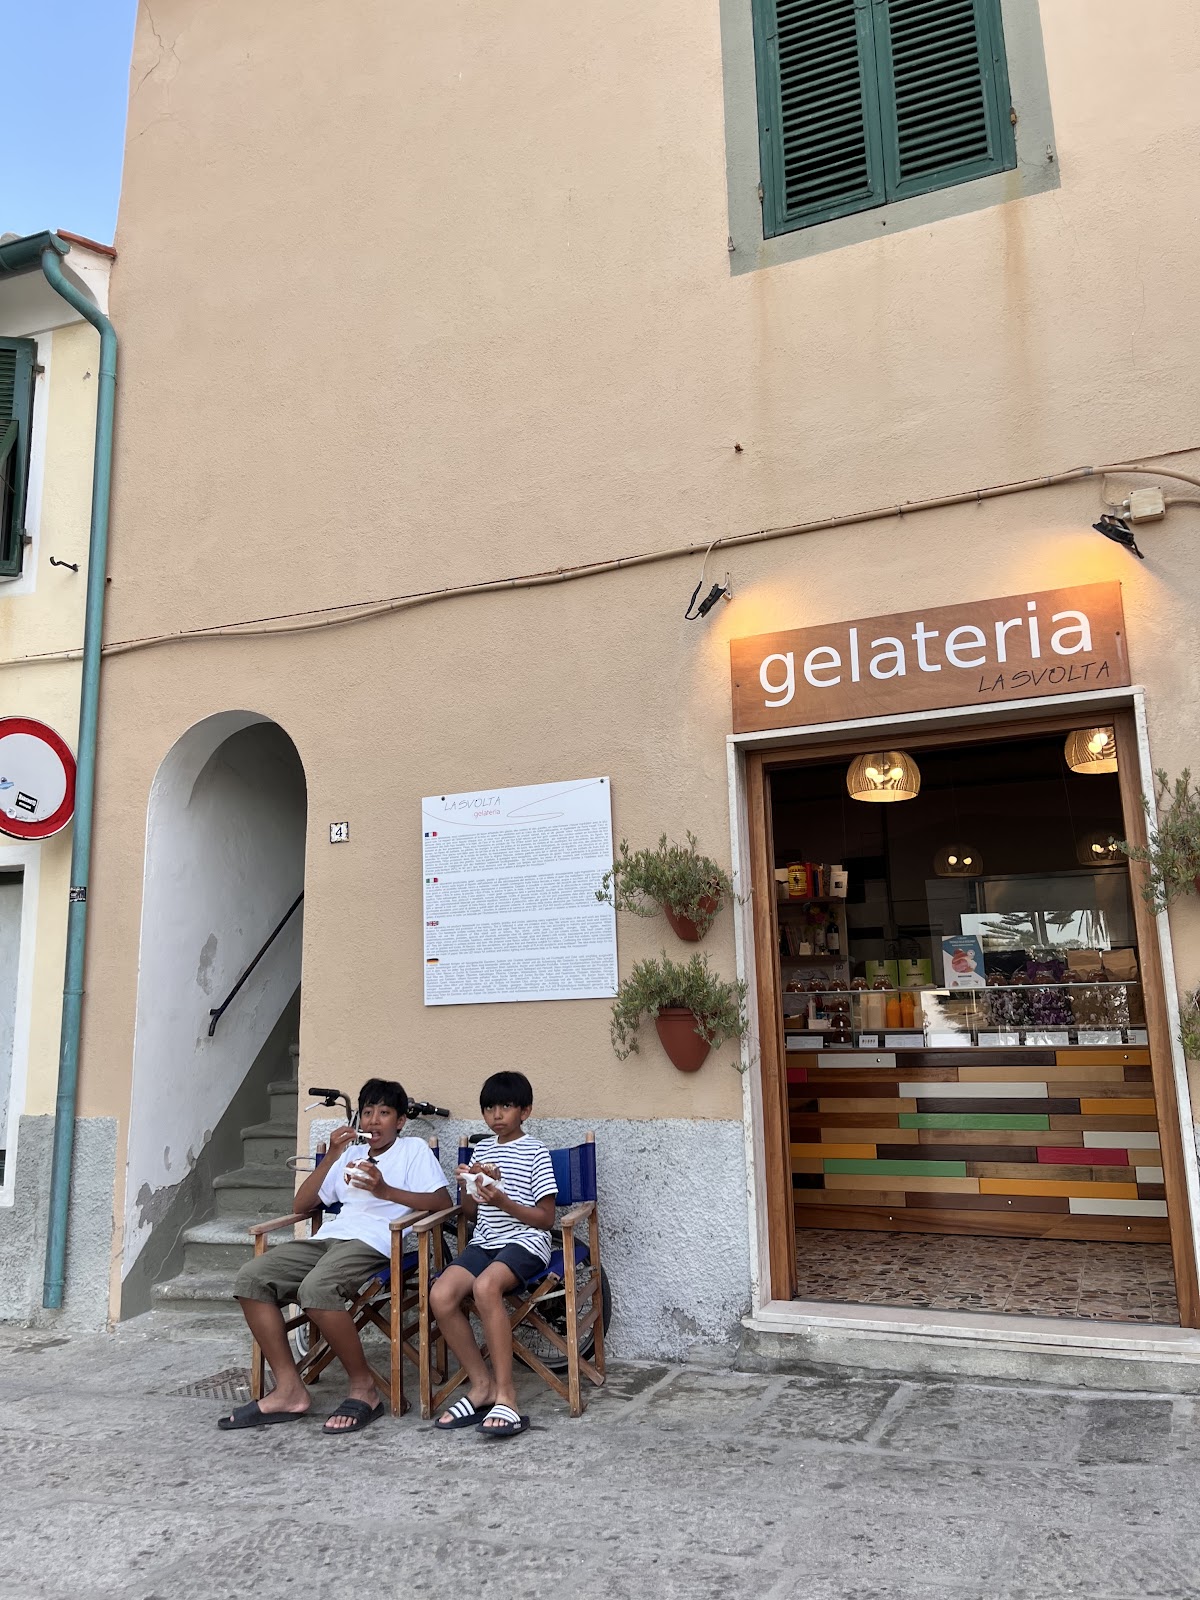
x=402, y=1337
x=581, y=1287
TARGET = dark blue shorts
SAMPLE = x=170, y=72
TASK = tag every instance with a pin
x=522, y=1263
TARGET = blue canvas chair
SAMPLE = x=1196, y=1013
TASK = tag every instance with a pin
x=559, y=1319
x=394, y=1314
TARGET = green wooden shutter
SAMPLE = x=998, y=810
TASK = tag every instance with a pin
x=943, y=90
x=818, y=111
x=17, y=360
x=865, y=101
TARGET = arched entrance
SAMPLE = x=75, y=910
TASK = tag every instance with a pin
x=224, y=862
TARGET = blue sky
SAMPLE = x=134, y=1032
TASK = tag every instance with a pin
x=64, y=112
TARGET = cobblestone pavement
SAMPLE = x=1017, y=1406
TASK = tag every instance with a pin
x=679, y=1482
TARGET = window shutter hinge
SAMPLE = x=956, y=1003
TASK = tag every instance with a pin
x=1012, y=115
x=759, y=192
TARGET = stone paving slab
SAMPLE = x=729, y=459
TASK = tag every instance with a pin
x=684, y=1482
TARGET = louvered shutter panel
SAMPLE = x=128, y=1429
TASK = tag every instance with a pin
x=16, y=404
x=822, y=152
x=943, y=87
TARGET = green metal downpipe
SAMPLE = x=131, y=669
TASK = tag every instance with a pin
x=85, y=782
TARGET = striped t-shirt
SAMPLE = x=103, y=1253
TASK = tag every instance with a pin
x=527, y=1174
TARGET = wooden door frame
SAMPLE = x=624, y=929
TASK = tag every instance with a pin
x=753, y=758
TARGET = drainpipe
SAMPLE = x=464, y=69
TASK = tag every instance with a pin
x=81, y=845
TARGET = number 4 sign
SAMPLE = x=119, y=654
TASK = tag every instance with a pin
x=37, y=779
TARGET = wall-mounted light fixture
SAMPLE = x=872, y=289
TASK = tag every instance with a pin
x=1119, y=531
x=958, y=861
x=884, y=776
x=1091, y=751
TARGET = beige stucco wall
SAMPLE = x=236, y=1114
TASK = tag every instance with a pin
x=413, y=298
x=49, y=620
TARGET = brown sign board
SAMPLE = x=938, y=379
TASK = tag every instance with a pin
x=1060, y=641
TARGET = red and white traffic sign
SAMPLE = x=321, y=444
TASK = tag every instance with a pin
x=37, y=779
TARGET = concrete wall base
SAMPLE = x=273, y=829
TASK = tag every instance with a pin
x=674, y=1244
x=90, y=1237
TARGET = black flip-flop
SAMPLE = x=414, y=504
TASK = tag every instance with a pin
x=252, y=1415
x=462, y=1414
x=359, y=1411
x=510, y=1423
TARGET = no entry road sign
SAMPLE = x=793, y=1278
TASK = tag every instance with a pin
x=37, y=779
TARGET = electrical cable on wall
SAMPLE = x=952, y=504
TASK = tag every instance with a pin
x=360, y=610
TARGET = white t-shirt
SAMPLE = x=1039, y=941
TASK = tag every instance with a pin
x=408, y=1164
x=527, y=1174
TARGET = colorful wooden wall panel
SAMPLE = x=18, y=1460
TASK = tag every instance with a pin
x=1048, y=1143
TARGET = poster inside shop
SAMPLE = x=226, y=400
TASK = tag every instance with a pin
x=510, y=881
x=962, y=961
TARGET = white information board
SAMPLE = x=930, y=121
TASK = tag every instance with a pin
x=510, y=894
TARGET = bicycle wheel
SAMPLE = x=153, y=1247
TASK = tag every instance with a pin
x=552, y=1308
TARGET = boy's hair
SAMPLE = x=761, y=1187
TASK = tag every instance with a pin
x=506, y=1089
x=383, y=1092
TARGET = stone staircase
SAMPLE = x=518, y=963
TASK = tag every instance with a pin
x=261, y=1187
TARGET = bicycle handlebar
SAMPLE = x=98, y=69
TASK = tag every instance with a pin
x=416, y=1108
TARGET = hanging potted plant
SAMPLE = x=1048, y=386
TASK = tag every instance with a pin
x=689, y=887
x=693, y=1009
x=1173, y=854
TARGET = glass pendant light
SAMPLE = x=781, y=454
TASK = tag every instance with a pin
x=884, y=776
x=1091, y=750
x=958, y=861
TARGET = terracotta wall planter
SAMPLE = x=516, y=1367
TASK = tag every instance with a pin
x=684, y=927
x=677, y=1030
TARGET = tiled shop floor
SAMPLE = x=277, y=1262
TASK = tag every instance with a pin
x=1024, y=1277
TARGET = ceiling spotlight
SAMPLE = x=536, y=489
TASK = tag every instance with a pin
x=884, y=776
x=1119, y=531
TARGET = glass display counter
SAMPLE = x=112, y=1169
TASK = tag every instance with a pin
x=1029, y=1015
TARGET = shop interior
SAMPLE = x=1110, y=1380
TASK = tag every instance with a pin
x=971, y=1114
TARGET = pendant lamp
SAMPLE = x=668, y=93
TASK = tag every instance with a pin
x=1098, y=848
x=958, y=861
x=1091, y=750
x=883, y=776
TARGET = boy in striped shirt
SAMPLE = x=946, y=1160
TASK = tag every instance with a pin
x=514, y=1213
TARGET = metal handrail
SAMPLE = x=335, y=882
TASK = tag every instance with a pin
x=216, y=1015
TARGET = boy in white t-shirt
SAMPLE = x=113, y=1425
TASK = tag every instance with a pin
x=375, y=1182
x=510, y=1246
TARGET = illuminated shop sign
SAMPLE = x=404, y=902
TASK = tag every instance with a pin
x=1060, y=641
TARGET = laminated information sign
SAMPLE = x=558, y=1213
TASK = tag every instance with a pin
x=510, y=881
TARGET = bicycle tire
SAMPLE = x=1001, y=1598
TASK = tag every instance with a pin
x=552, y=1309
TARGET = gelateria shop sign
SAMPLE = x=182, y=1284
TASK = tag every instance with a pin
x=1060, y=641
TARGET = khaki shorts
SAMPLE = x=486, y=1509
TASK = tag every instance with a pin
x=315, y=1274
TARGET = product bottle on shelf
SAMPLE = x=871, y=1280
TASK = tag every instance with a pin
x=907, y=1008
x=893, y=1009
x=833, y=939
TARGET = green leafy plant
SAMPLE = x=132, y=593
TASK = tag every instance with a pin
x=1173, y=854
x=1189, y=1025
x=655, y=985
x=689, y=884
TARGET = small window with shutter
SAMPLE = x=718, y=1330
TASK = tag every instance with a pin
x=864, y=102
x=17, y=360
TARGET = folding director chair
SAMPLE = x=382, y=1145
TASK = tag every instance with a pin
x=572, y=1290
x=389, y=1301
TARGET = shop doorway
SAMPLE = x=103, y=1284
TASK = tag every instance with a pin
x=965, y=1052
